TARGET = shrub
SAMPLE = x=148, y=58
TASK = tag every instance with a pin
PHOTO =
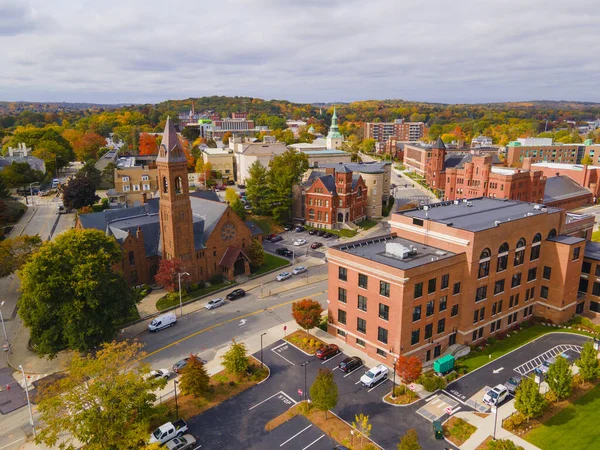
x=305, y=340
x=193, y=287
x=312, y=342
x=304, y=407
x=508, y=424
x=551, y=397
x=216, y=279
x=201, y=285
x=400, y=390
x=577, y=380
x=451, y=377
x=428, y=383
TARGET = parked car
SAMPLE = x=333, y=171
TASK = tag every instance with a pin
x=299, y=242
x=164, y=321
x=241, y=186
x=231, y=183
x=298, y=270
x=513, y=383
x=158, y=373
x=179, y=365
x=215, y=303
x=288, y=227
x=496, y=396
x=327, y=235
x=284, y=252
x=327, y=351
x=247, y=207
x=350, y=363
x=299, y=229
x=185, y=442
x=320, y=232
x=283, y=276
x=238, y=293
x=312, y=232
x=271, y=236
x=168, y=431
x=316, y=245
x=374, y=375
x=242, y=194
x=276, y=239
x=545, y=366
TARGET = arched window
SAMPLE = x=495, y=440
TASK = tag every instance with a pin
x=535, y=247
x=537, y=238
x=502, y=257
x=521, y=243
x=311, y=214
x=359, y=191
x=520, y=252
x=165, y=184
x=131, y=258
x=178, y=187
x=484, y=263
x=552, y=233
x=486, y=253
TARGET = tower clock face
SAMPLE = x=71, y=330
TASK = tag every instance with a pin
x=228, y=231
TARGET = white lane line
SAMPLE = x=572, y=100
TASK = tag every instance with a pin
x=197, y=447
x=283, y=393
x=8, y=445
x=455, y=409
x=280, y=345
x=435, y=401
x=281, y=356
x=299, y=432
x=335, y=368
x=327, y=360
x=258, y=404
x=375, y=387
x=313, y=442
x=350, y=373
x=357, y=382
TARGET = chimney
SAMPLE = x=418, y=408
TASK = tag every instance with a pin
x=526, y=164
x=138, y=233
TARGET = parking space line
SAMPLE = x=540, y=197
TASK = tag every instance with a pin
x=375, y=387
x=455, y=409
x=299, y=432
x=357, y=382
x=327, y=360
x=350, y=373
x=251, y=408
x=281, y=356
x=335, y=368
x=280, y=345
x=314, y=442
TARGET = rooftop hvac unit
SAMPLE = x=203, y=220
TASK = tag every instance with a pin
x=469, y=204
x=425, y=208
x=537, y=207
x=496, y=223
x=464, y=200
x=397, y=250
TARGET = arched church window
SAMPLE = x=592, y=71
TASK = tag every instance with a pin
x=178, y=188
x=165, y=184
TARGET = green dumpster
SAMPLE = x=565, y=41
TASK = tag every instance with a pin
x=444, y=365
x=438, y=430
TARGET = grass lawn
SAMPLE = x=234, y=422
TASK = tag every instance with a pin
x=367, y=224
x=575, y=427
x=167, y=302
x=301, y=340
x=267, y=224
x=272, y=262
x=596, y=236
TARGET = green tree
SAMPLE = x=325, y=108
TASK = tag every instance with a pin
x=285, y=170
x=20, y=174
x=368, y=145
x=79, y=192
x=410, y=441
x=16, y=251
x=256, y=253
x=587, y=160
x=362, y=425
x=503, y=444
x=307, y=313
x=238, y=208
x=102, y=401
x=255, y=186
x=108, y=174
x=560, y=377
x=528, y=400
x=89, y=171
x=588, y=362
x=194, y=379
x=324, y=391
x=236, y=360
x=70, y=296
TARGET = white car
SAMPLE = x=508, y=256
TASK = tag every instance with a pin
x=496, y=395
x=215, y=303
x=298, y=270
x=158, y=373
x=283, y=276
x=299, y=242
x=374, y=375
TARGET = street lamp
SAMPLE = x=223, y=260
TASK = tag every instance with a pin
x=3, y=327
x=179, y=278
x=261, y=348
x=28, y=402
x=176, y=407
x=495, y=411
x=394, y=382
x=304, y=365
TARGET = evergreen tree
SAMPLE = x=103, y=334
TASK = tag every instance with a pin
x=560, y=378
x=194, y=378
x=256, y=184
x=324, y=391
x=588, y=362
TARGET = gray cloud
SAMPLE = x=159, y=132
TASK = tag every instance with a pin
x=148, y=51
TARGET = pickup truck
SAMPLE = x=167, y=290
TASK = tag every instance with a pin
x=168, y=431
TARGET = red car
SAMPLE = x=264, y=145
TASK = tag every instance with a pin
x=269, y=237
x=316, y=245
x=326, y=351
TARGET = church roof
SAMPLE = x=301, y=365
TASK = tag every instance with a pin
x=170, y=149
x=231, y=255
x=439, y=144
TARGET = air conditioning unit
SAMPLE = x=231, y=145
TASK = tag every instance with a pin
x=537, y=207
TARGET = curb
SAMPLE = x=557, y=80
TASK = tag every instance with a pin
x=418, y=399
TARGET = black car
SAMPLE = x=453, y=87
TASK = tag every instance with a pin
x=351, y=363
x=276, y=239
x=238, y=293
x=241, y=186
x=320, y=233
x=288, y=227
x=327, y=235
x=312, y=232
x=299, y=229
x=283, y=252
x=231, y=183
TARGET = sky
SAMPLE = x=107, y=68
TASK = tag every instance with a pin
x=459, y=51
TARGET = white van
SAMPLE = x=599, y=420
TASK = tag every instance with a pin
x=164, y=321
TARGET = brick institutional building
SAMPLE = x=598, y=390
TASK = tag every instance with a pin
x=476, y=176
x=208, y=236
x=458, y=273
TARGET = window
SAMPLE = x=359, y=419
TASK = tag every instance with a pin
x=484, y=269
x=500, y=306
x=360, y=342
x=136, y=187
x=145, y=178
x=495, y=326
x=362, y=303
x=502, y=262
x=445, y=281
x=586, y=267
x=576, y=252
x=125, y=179
x=499, y=287
x=482, y=313
x=428, y=331
x=516, y=280
x=494, y=308
x=454, y=311
x=598, y=270
x=594, y=306
x=532, y=274
x=146, y=187
x=342, y=316
x=362, y=281
x=131, y=258
x=416, y=313
x=596, y=289
x=535, y=252
x=583, y=285
x=481, y=293
x=343, y=274
x=477, y=334
x=552, y=233
x=443, y=303
x=456, y=288
x=384, y=311
x=311, y=214
x=544, y=292
x=361, y=325
x=342, y=295
x=441, y=326
x=431, y=286
x=384, y=288
x=415, y=336
x=418, y=290
x=547, y=273
x=126, y=188
x=430, y=309
x=382, y=335
x=418, y=222
x=476, y=316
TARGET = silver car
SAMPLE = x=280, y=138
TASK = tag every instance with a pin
x=298, y=270
x=215, y=303
x=185, y=442
x=283, y=276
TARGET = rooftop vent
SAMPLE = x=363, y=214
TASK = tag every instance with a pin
x=537, y=207
x=496, y=223
x=397, y=250
x=456, y=202
x=469, y=204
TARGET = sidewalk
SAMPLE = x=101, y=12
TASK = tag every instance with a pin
x=409, y=180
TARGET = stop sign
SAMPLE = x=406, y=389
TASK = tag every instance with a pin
x=284, y=327
x=300, y=392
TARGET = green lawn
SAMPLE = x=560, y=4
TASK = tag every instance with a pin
x=267, y=224
x=272, y=262
x=574, y=428
x=367, y=224
x=166, y=302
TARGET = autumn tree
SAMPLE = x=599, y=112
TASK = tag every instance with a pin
x=307, y=313
x=362, y=425
x=528, y=400
x=147, y=144
x=235, y=360
x=588, y=362
x=194, y=379
x=226, y=137
x=79, y=192
x=587, y=160
x=410, y=441
x=103, y=401
x=409, y=368
x=324, y=391
x=89, y=170
x=560, y=378
x=256, y=253
x=16, y=251
x=167, y=274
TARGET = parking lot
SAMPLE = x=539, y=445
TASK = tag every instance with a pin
x=301, y=250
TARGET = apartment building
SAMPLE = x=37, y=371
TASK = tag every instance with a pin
x=456, y=273
x=545, y=150
x=398, y=129
x=136, y=180
x=221, y=160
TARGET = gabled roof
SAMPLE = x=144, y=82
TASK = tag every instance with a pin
x=562, y=187
x=206, y=195
x=439, y=144
x=254, y=229
x=355, y=178
x=170, y=149
x=231, y=255
x=329, y=183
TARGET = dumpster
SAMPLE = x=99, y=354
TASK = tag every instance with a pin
x=438, y=430
x=443, y=365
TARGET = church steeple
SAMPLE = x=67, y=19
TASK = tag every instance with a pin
x=334, y=137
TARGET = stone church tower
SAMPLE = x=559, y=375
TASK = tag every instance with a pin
x=176, y=223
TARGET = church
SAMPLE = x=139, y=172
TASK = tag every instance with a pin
x=205, y=234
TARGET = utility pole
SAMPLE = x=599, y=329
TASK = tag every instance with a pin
x=179, y=279
x=28, y=402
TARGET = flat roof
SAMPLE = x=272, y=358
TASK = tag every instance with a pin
x=565, y=239
x=477, y=214
x=592, y=250
x=374, y=249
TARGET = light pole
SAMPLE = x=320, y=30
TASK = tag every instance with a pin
x=394, y=382
x=495, y=420
x=4, y=327
x=304, y=365
x=28, y=402
x=179, y=279
x=31, y=193
x=261, y=348
x=176, y=407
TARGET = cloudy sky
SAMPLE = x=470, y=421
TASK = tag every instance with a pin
x=113, y=51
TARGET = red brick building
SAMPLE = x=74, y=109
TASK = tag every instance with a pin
x=337, y=198
x=399, y=130
x=456, y=273
x=586, y=176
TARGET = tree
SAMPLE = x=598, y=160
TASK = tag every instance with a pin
x=560, y=377
x=89, y=170
x=324, y=391
x=148, y=144
x=238, y=208
x=70, y=296
x=285, y=170
x=167, y=273
x=307, y=313
x=588, y=362
x=362, y=425
x=79, y=192
x=108, y=174
x=19, y=174
x=528, y=400
x=191, y=133
x=236, y=360
x=103, y=401
x=368, y=145
x=503, y=444
x=194, y=378
x=255, y=186
x=410, y=441
x=226, y=137
x=231, y=196
x=16, y=251
x=587, y=160
x=409, y=368
x=4, y=192
x=256, y=253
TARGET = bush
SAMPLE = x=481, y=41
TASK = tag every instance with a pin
x=193, y=287
x=216, y=279
x=451, y=377
x=432, y=383
x=305, y=340
x=577, y=380
x=551, y=397
x=513, y=421
x=323, y=323
x=97, y=208
x=400, y=390
x=201, y=285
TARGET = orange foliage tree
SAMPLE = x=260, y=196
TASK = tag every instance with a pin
x=409, y=369
x=85, y=145
x=307, y=313
x=148, y=145
x=167, y=272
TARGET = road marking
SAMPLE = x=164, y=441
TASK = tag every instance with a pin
x=327, y=360
x=335, y=368
x=357, y=382
x=281, y=356
x=242, y=322
x=299, y=432
x=212, y=327
x=314, y=442
x=455, y=409
x=499, y=370
x=350, y=373
x=13, y=442
x=379, y=384
x=277, y=393
x=280, y=345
